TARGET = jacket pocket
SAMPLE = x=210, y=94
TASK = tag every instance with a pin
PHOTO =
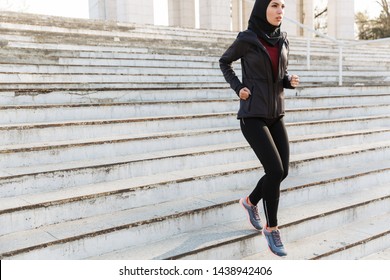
x=259, y=101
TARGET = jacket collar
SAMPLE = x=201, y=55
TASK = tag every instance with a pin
x=251, y=37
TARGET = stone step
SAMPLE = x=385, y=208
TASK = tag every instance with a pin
x=298, y=47
x=44, y=178
x=161, y=128
x=27, y=45
x=297, y=54
x=174, y=68
x=29, y=32
x=105, y=60
x=114, y=110
x=124, y=222
x=354, y=240
x=380, y=255
x=181, y=97
x=355, y=90
x=99, y=112
x=18, y=40
x=125, y=70
x=126, y=29
x=168, y=67
x=105, y=198
x=80, y=96
x=69, y=151
x=296, y=60
x=79, y=112
x=152, y=86
x=105, y=128
x=70, y=86
x=152, y=34
x=107, y=233
x=109, y=78
x=239, y=244
x=348, y=78
x=93, y=81
x=75, y=34
x=315, y=54
x=380, y=81
x=112, y=59
x=77, y=96
x=42, y=49
x=237, y=239
x=59, y=50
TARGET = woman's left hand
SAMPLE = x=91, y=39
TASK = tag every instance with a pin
x=294, y=80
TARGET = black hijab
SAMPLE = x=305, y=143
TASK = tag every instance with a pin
x=259, y=24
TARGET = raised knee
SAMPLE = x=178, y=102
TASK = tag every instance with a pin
x=277, y=174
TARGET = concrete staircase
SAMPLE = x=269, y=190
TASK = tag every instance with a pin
x=120, y=141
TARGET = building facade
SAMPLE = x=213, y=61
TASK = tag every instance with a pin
x=227, y=14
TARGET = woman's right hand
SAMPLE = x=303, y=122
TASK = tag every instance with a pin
x=244, y=93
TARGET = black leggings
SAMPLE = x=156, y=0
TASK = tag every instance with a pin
x=269, y=140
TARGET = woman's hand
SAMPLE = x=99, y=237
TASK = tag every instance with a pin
x=294, y=80
x=244, y=93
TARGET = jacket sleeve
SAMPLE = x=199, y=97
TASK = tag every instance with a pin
x=233, y=53
x=287, y=81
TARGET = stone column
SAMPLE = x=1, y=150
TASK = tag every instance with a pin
x=96, y=9
x=241, y=11
x=341, y=19
x=307, y=19
x=135, y=11
x=181, y=13
x=301, y=11
x=103, y=9
x=215, y=14
x=291, y=11
x=122, y=10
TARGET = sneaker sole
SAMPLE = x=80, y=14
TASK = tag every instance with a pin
x=276, y=254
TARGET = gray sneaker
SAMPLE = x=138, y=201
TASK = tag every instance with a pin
x=275, y=242
x=253, y=214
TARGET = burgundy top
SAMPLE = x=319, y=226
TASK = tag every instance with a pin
x=273, y=52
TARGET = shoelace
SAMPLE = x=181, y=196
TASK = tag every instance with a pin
x=276, y=237
x=256, y=212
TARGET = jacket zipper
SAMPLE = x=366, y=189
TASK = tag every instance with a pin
x=273, y=99
x=275, y=85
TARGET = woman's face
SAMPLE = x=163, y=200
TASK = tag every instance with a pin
x=275, y=12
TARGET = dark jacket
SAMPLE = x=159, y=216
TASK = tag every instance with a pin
x=267, y=92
